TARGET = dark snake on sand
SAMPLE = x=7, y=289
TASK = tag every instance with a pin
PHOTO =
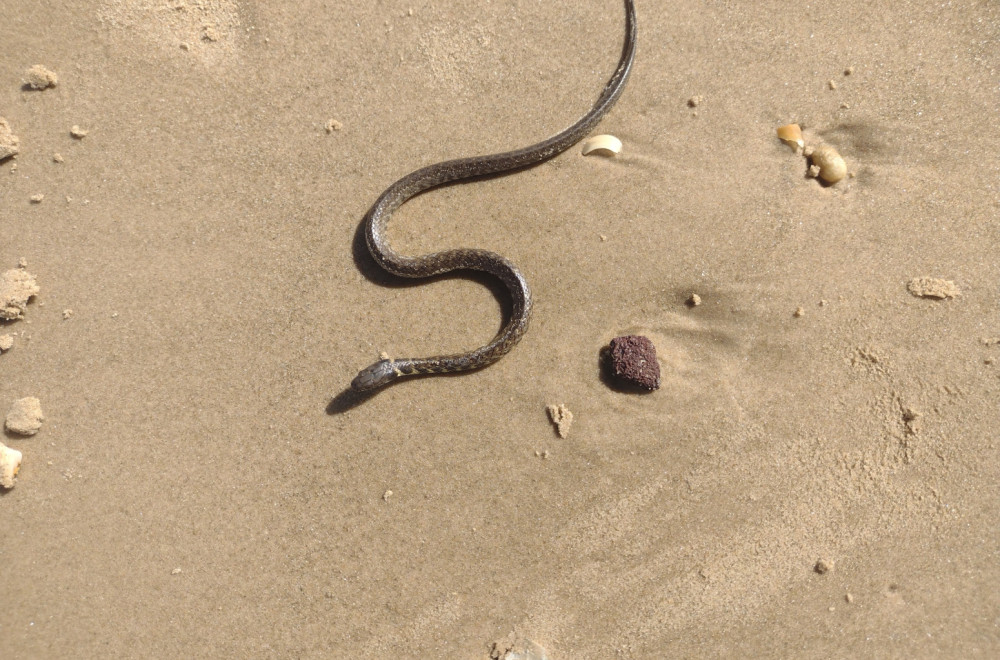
x=375, y=223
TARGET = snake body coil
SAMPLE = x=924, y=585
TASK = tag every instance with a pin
x=377, y=220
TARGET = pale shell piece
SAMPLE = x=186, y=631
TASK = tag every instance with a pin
x=10, y=463
x=526, y=650
x=602, y=145
x=832, y=167
x=791, y=134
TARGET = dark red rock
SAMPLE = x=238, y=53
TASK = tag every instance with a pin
x=633, y=360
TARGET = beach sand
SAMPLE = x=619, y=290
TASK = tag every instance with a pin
x=816, y=477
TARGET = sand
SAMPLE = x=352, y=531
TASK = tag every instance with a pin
x=200, y=488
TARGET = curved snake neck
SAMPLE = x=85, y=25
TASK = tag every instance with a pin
x=377, y=220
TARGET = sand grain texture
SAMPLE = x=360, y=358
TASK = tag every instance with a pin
x=205, y=233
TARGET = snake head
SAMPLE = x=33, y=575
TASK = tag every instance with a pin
x=375, y=376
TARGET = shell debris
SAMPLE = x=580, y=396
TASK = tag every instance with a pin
x=791, y=134
x=10, y=463
x=602, y=145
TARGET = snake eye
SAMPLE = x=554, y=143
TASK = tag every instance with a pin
x=375, y=376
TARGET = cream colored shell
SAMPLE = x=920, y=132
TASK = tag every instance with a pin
x=10, y=463
x=602, y=145
x=832, y=167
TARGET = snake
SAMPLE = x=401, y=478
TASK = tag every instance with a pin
x=376, y=222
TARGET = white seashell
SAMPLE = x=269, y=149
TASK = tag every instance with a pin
x=10, y=463
x=602, y=145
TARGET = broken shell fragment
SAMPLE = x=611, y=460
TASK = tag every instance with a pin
x=832, y=167
x=10, y=463
x=602, y=145
x=791, y=134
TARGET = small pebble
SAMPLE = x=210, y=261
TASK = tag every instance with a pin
x=823, y=566
x=78, y=132
x=25, y=416
x=6, y=343
x=38, y=77
x=633, y=360
x=386, y=495
x=830, y=165
x=57, y=158
x=695, y=101
x=799, y=312
x=37, y=199
x=832, y=84
x=693, y=300
x=333, y=125
x=67, y=314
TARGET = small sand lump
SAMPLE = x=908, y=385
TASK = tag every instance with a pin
x=823, y=566
x=561, y=417
x=38, y=77
x=931, y=287
x=6, y=343
x=832, y=167
x=10, y=463
x=17, y=286
x=25, y=416
x=8, y=141
x=633, y=360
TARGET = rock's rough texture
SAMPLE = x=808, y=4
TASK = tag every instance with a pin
x=633, y=361
x=38, y=77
